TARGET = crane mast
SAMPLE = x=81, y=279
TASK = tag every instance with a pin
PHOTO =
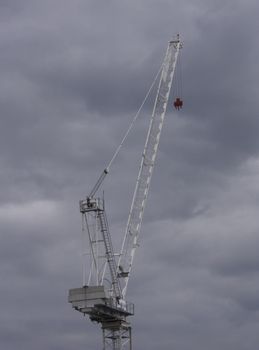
x=139, y=200
x=103, y=294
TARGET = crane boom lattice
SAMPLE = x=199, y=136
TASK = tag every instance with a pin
x=130, y=242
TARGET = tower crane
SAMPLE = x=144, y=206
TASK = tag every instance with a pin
x=103, y=294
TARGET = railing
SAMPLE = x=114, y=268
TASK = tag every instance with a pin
x=123, y=306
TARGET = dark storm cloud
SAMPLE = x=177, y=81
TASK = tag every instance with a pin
x=72, y=76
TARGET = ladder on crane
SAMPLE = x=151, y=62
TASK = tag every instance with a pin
x=103, y=296
x=109, y=253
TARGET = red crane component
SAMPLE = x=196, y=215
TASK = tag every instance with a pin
x=178, y=103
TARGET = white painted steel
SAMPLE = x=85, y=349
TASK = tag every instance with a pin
x=101, y=251
x=102, y=296
x=130, y=241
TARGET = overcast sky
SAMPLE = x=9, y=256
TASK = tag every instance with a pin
x=73, y=74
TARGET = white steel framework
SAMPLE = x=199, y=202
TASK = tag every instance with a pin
x=130, y=241
x=103, y=295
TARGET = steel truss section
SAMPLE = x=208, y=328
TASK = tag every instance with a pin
x=130, y=241
x=117, y=336
x=101, y=252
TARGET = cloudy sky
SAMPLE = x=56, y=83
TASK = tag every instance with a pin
x=73, y=74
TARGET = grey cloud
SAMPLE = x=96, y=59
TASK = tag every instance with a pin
x=73, y=75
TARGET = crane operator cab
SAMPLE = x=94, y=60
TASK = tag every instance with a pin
x=91, y=204
x=178, y=103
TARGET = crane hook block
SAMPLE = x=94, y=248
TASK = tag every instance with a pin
x=178, y=103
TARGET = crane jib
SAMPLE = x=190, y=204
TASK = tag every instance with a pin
x=130, y=241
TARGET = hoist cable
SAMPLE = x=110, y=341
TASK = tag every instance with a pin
x=107, y=169
x=180, y=74
x=133, y=121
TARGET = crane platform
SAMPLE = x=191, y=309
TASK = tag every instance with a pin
x=93, y=300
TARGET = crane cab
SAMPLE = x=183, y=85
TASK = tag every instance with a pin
x=91, y=204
